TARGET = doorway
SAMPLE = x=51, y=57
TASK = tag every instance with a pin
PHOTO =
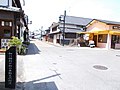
x=95, y=39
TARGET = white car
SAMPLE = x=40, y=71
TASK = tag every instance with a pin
x=91, y=43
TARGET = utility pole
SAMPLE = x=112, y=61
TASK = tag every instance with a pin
x=63, y=32
x=64, y=28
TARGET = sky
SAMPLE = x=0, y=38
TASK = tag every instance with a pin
x=43, y=13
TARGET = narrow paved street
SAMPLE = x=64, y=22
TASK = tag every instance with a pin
x=49, y=67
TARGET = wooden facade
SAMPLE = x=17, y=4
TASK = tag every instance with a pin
x=12, y=23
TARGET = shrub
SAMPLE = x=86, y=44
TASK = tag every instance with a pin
x=23, y=50
x=15, y=42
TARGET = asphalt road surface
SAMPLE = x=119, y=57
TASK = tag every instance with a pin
x=49, y=67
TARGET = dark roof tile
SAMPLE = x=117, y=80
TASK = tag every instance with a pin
x=77, y=20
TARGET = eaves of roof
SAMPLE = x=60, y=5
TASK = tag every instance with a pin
x=11, y=9
x=54, y=24
x=105, y=21
x=73, y=31
x=55, y=32
x=109, y=22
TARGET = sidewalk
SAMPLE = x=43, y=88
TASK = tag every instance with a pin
x=45, y=43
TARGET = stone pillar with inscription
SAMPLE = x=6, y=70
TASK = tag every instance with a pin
x=10, y=67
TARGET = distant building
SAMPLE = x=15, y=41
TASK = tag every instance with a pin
x=73, y=25
x=106, y=34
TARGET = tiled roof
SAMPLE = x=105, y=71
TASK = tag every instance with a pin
x=108, y=22
x=77, y=20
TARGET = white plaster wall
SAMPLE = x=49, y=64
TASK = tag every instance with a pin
x=4, y=2
x=57, y=37
x=54, y=39
x=69, y=26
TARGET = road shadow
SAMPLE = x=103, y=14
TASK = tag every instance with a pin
x=32, y=49
x=39, y=85
x=19, y=86
x=34, y=84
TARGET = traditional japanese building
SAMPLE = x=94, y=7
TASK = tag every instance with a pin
x=12, y=21
x=73, y=25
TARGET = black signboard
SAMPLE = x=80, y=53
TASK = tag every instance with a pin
x=116, y=27
x=10, y=67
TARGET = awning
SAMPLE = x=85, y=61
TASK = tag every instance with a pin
x=114, y=32
x=84, y=32
x=101, y=32
x=93, y=31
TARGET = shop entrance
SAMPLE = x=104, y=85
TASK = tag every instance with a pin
x=115, y=40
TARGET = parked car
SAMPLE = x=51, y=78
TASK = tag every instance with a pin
x=91, y=43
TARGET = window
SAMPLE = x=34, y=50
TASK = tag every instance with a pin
x=70, y=35
x=10, y=24
x=6, y=23
x=102, y=38
x=2, y=23
x=116, y=38
x=7, y=33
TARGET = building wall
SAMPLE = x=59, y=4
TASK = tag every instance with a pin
x=70, y=26
x=55, y=38
x=101, y=45
x=6, y=15
x=6, y=24
x=100, y=26
x=96, y=25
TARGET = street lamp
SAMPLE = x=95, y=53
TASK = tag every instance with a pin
x=63, y=32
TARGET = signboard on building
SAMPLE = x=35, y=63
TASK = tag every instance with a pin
x=116, y=27
x=10, y=67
